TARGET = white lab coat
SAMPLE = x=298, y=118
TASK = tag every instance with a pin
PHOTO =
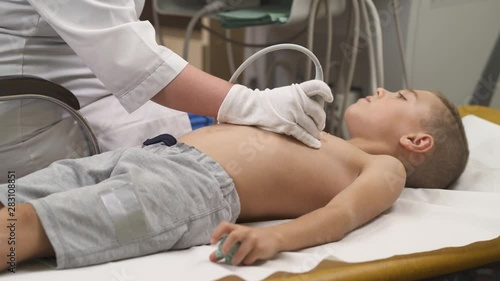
x=101, y=52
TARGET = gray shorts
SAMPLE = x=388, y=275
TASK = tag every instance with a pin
x=128, y=203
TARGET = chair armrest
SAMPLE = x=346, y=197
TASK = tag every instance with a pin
x=18, y=85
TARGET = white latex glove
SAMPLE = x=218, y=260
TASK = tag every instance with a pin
x=295, y=110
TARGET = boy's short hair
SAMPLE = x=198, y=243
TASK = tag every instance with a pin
x=446, y=161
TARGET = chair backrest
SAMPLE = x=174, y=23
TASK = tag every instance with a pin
x=39, y=124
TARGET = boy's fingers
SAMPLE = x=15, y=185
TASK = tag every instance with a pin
x=231, y=240
x=223, y=228
x=245, y=248
x=213, y=258
x=251, y=258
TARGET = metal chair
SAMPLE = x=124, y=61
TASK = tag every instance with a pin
x=39, y=124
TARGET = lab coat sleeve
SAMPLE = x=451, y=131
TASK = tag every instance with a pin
x=119, y=49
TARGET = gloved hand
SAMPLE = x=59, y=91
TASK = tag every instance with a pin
x=295, y=110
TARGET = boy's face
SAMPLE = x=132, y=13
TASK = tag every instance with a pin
x=388, y=115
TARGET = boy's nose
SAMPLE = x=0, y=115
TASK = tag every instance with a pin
x=380, y=92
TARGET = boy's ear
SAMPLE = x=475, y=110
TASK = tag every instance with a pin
x=419, y=143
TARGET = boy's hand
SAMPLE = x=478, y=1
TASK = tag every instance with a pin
x=256, y=243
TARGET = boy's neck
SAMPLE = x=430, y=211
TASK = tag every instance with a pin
x=373, y=147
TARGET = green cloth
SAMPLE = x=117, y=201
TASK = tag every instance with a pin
x=277, y=12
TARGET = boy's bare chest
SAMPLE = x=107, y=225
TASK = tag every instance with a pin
x=291, y=182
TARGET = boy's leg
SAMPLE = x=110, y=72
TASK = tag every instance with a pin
x=23, y=238
x=26, y=231
x=155, y=199
x=60, y=176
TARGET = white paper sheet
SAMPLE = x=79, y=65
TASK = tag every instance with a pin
x=421, y=220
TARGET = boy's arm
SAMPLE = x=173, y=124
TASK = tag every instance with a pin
x=376, y=188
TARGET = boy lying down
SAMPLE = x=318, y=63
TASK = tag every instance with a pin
x=138, y=201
